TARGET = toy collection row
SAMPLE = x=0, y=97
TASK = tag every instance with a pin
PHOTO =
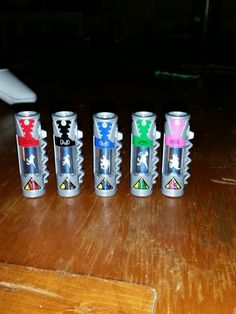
x=67, y=141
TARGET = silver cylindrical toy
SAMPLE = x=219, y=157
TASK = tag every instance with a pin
x=143, y=159
x=67, y=153
x=31, y=143
x=106, y=153
x=176, y=150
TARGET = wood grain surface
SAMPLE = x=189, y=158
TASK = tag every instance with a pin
x=31, y=290
x=184, y=248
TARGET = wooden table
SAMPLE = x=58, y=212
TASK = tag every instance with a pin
x=184, y=248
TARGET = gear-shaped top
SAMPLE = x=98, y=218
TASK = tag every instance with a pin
x=143, y=140
x=104, y=130
x=27, y=126
x=64, y=127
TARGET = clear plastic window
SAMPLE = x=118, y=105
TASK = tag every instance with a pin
x=173, y=160
x=104, y=161
x=66, y=159
x=30, y=159
x=142, y=157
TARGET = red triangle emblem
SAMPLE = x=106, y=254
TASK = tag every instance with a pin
x=32, y=185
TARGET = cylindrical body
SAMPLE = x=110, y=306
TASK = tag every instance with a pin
x=66, y=138
x=143, y=152
x=30, y=153
x=105, y=157
x=175, y=153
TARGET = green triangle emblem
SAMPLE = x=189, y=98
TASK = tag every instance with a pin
x=141, y=184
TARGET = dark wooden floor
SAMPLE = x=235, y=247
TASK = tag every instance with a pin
x=183, y=248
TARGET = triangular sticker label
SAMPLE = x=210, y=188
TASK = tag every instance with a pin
x=141, y=184
x=104, y=185
x=32, y=185
x=173, y=185
x=67, y=185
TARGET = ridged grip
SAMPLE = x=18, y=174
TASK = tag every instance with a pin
x=44, y=156
x=155, y=157
x=118, y=159
x=187, y=158
x=80, y=157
